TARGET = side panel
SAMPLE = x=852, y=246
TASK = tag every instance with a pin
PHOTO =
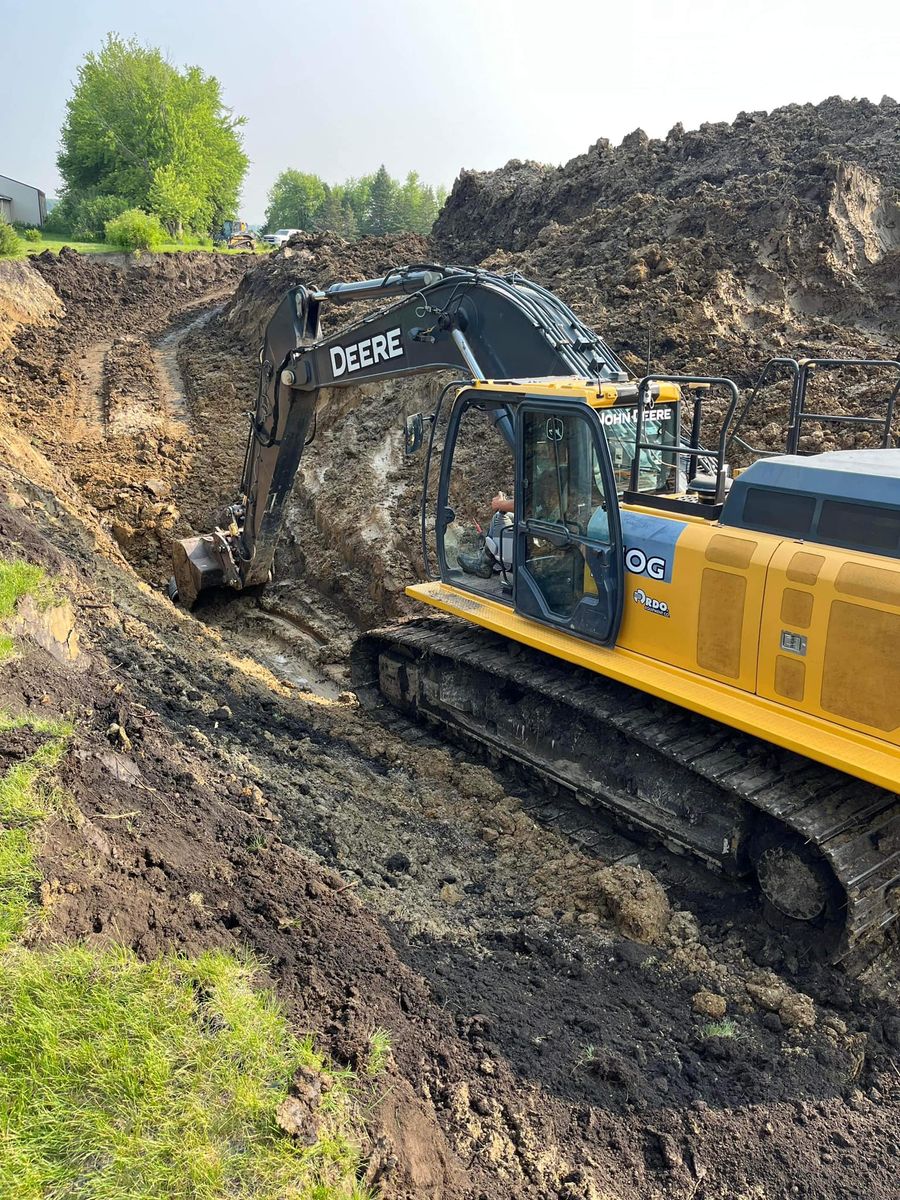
x=694, y=595
x=830, y=637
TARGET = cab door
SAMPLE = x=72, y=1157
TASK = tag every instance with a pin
x=569, y=560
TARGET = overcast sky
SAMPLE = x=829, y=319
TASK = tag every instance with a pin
x=339, y=86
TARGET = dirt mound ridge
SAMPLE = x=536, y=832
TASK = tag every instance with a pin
x=316, y=259
x=720, y=246
x=765, y=153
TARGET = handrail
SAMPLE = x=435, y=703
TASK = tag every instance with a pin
x=691, y=451
x=799, y=413
x=794, y=367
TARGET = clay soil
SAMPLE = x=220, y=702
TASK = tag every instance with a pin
x=572, y=1014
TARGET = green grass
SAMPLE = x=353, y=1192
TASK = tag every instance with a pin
x=379, y=1052
x=125, y=1080
x=55, y=244
x=26, y=800
x=130, y=1080
x=722, y=1029
x=18, y=579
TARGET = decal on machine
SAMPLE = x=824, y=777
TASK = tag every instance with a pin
x=638, y=563
x=366, y=353
x=652, y=605
x=650, y=544
x=628, y=416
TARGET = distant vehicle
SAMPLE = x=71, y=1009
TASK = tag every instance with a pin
x=280, y=236
x=235, y=235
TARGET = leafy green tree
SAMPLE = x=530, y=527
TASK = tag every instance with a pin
x=371, y=204
x=173, y=199
x=159, y=138
x=295, y=201
x=83, y=216
x=357, y=193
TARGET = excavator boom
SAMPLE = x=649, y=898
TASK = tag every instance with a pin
x=482, y=325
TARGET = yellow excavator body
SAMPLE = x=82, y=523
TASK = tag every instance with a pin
x=794, y=642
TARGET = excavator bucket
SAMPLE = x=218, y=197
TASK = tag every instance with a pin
x=197, y=566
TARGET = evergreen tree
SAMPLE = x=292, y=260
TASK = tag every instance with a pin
x=351, y=224
x=381, y=212
x=331, y=213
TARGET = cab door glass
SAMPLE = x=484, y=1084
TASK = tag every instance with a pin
x=478, y=542
x=566, y=548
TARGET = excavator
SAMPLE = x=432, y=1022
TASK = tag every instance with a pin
x=709, y=654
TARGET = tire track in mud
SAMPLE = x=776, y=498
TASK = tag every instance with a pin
x=164, y=350
x=92, y=407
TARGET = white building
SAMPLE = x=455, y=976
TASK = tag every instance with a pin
x=22, y=203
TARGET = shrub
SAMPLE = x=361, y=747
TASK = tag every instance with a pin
x=32, y=235
x=9, y=239
x=91, y=215
x=135, y=230
x=82, y=216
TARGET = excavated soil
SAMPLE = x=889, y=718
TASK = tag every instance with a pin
x=712, y=250
x=572, y=1014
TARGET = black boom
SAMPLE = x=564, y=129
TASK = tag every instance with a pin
x=483, y=325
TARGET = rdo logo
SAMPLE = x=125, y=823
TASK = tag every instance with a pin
x=637, y=562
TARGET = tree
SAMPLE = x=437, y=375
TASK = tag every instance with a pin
x=331, y=212
x=295, y=201
x=372, y=204
x=381, y=211
x=416, y=205
x=351, y=224
x=158, y=138
x=357, y=193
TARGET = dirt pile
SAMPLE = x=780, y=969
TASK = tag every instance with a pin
x=779, y=232
x=125, y=293
x=25, y=297
x=316, y=260
x=534, y=1050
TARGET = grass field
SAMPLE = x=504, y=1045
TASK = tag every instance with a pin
x=26, y=249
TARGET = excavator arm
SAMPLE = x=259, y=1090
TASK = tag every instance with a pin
x=483, y=325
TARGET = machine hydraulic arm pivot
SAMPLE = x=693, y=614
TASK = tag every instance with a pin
x=485, y=326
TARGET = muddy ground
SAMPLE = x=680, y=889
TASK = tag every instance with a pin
x=572, y=1014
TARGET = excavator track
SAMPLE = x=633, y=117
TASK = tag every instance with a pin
x=825, y=846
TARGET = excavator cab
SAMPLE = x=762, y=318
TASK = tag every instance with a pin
x=556, y=553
